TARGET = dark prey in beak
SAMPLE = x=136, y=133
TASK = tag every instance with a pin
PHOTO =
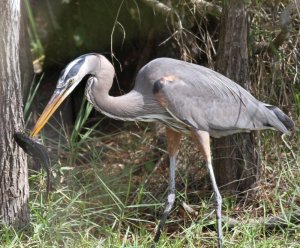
x=37, y=151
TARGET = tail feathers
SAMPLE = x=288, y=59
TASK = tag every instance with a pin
x=282, y=117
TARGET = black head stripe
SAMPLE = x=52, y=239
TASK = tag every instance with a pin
x=62, y=73
x=74, y=70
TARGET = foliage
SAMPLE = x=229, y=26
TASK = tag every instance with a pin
x=30, y=98
x=110, y=187
x=87, y=208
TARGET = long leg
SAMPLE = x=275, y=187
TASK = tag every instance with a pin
x=173, y=139
x=203, y=140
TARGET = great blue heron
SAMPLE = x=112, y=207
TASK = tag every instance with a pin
x=185, y=97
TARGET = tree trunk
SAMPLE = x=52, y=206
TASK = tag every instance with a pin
x=26, y=67
x=14, y=190
x=235, y=157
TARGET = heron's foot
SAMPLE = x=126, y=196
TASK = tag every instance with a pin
x=168, y=208
x=219, y=243
x=157, y=234
x=218, y=203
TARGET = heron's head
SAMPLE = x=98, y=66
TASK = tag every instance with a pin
x=69, y=78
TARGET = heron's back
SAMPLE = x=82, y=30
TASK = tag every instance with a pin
x=206, y=100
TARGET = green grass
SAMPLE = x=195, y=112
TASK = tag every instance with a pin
x=37, y=48
x=109, y=191
x=96, y=202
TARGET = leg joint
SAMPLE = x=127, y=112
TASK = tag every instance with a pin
x=171, y=198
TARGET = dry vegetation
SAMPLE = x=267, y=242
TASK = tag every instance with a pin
x=110, y=189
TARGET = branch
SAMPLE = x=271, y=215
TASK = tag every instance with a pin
x=285, y=26
x=270, y=222
x=159, y=7
x=208, y=7
x=273, y=221
x=200, y=5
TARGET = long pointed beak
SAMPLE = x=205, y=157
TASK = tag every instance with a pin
x=57, y=98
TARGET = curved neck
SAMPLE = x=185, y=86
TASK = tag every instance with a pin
x=127, y=107
x=133, y=106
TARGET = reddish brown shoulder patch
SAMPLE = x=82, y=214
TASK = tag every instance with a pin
x=170, y=78
x=159, y=85
x=159, y=96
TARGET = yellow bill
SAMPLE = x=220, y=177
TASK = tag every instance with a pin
x=57, y=98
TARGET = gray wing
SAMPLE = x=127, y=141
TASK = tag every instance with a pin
x=206, y=100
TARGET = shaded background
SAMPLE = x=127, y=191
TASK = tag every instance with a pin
x=129, y=34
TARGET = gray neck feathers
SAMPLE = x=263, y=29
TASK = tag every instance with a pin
x=126, y=107
x=133, y=106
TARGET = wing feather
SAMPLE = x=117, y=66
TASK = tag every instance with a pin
x=204, y=99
